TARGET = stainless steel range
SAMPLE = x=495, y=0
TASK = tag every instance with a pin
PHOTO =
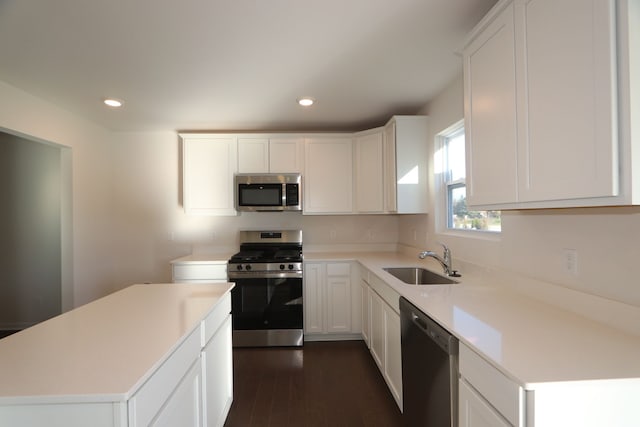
x=266, y=303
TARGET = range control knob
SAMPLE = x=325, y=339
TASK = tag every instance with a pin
x=248, y=267
x=281, y=266
x=290, y=266
x=239, y=267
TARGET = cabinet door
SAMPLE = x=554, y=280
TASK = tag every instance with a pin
x=377, y=329
x=490, y=113
x=217, y=366
x=286, y=155
x=253, y=155
x=313, y=296
x=338, y=304
x=568, y=139
x=183, y=407
x=411, y=169
x=368, y=151
x=328, y=175
x=389, y=167
x=366, y=318
x=474, y=411
x=393, y=353
x=208, y=167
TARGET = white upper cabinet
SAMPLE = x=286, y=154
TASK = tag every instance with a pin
x=209, y=163
x=286, y=155
x=270, y=154
x=549, y=88
x=253, y=155
x=328, y=174
x=380, y=170
x=568, y=108
x=490, y=113
x=369, y=179
x=405, y=164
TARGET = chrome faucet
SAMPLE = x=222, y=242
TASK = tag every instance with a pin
x=445, y=260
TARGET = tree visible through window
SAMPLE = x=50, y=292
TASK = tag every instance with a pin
x=459, y=217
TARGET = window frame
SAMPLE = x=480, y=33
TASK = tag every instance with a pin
x=444, y=187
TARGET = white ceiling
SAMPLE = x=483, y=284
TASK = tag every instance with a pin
x=235, y=64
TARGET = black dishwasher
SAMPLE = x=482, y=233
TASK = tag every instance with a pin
x=429, y=370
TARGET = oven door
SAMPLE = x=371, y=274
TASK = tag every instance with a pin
x=267, y=303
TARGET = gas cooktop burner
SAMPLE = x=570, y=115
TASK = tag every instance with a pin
x=244, y=256
x=287, y=255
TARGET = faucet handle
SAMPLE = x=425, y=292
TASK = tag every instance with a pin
x=445, y=247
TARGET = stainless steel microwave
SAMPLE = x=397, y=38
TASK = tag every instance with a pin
x=268, y=192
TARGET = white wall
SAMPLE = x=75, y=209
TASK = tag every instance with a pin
x=26, y=115
x=532, y=242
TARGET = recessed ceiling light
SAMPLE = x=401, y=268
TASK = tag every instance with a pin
x=112, y=102
x=306, y=101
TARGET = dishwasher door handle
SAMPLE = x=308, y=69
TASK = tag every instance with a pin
x=420, y=323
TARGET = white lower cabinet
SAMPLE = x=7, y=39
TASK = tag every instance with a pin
x=185, y=271
x=365, y=319
x=392, y=353
x=217, y=376
x=486, y=396
x=183, y=407
x=383, y=327
x=194, y=386
x=475, y=411
x=377, y=329
x=164, y=390
x=330, y=308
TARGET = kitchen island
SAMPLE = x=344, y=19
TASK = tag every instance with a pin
x=148, y=353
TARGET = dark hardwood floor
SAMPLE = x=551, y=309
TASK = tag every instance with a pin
x=322, y=384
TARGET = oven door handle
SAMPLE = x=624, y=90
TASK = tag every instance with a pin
x=265, y=275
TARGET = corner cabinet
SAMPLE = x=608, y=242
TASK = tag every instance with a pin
x=405, y=165
x=368, y=153
x=549, y=88
x=209, y=163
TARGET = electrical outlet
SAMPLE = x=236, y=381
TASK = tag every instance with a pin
x=570, y=261
x=369, y=235
x=332, y=234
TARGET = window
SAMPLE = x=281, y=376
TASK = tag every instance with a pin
x=458, y=216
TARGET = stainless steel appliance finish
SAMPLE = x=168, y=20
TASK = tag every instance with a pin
x=429, y=370
x=268, y=192
x=267, y=303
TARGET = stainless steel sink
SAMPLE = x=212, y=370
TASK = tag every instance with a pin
x=418, y=276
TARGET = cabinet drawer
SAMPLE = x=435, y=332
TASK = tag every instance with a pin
x=338, y=269
x=387, y=293
x=501, y=392
x=149, y=399
x=205, y=272
x=215, y=319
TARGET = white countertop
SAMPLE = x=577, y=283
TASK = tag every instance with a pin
x=532, y=342
x=105, y=350
x=220, y=258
